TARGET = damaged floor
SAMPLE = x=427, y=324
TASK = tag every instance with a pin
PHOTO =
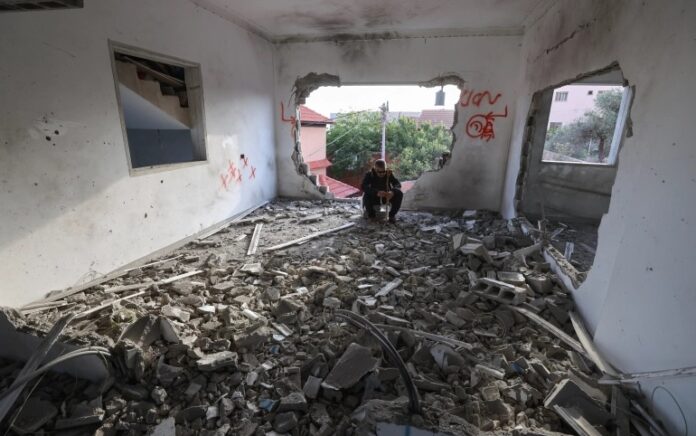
x=438, y=325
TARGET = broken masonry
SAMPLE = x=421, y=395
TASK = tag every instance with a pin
x=227, y=336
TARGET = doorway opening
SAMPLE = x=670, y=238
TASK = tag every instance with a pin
x=570, y=158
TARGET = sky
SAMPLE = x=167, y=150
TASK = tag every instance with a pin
x=409, y=98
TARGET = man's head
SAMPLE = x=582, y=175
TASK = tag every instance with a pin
x=380, y=167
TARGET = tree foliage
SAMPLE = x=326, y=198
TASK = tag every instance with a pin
x=587, y=137
x=411, y=148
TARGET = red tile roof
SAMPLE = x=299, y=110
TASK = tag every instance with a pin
x=308, y=116
x=443, y=117
x=319, y=164
x=407, y=185
x=338, y=188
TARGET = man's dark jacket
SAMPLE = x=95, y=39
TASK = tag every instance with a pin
x=372, y=183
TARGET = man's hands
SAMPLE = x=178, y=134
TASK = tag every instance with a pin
x=385, y=194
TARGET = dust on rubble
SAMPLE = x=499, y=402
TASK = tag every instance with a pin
x=252, y=345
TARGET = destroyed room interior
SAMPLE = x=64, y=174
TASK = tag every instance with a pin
x=188, y=246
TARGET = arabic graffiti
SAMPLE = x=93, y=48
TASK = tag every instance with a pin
x=482, y=125
x=469, y=96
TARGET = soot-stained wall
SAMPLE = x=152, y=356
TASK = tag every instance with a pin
x=70, y=208
x=489, y=66
x=639, y=297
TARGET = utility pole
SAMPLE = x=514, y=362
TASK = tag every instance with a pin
x=385, y=110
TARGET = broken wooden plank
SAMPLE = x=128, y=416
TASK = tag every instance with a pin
x=386, y=290
x=141, y=285
x=235, y=220
x=310, y=218
x=88, y=312
x=576, y=421
x=620, y=409
x=639, y=376
x=157, y=262
x=589, y=346
x=657, y=428
x=309, y=237
x=30, y=310
x=560, y=334
x=33, y=363
x=254, y=243
x=437, y=338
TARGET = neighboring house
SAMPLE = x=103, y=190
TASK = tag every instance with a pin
x=313, y=144
x=313, y=140
x=443, y=117
x=572, y=101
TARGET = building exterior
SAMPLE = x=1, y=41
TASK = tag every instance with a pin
x=572, y=101
x=313, y=140
x=313, y=143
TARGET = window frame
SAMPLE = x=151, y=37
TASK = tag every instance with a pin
x=558, y=94
x=194, y=92
x=618, y=136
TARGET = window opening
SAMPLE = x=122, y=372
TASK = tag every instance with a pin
x=586, y=128
x=341, y=132
x=39, y=5
x=161, y=106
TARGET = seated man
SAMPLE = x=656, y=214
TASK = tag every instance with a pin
x=380, y=186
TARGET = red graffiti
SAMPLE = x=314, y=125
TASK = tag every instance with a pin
x=468, y=96
x=292, y=120
x=482, y=125
x=234, y=174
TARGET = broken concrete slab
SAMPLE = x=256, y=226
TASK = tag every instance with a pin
x=215, y=361
x=355, y=363
x=573, y=393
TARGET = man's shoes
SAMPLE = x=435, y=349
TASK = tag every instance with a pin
x=392, y=219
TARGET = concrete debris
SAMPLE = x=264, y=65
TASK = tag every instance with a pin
x=246, y=341
x=355, y=363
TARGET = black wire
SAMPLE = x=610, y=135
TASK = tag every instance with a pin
x=389, y=349
x=652, y=395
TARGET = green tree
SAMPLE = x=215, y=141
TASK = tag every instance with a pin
x=412, y=148
x=578, y=138
x=351, y=140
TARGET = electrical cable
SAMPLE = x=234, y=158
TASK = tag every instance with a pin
x=652, y=395
x=388, y=347
x=87, y=351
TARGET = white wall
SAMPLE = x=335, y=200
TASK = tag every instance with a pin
x=70, y=210
x=474, y=176
x=639, y=298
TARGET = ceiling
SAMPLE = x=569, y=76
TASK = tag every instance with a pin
x=281, y=20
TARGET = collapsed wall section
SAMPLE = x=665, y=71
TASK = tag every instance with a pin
x=71, y=209
x=473, y=178
x=638, y=299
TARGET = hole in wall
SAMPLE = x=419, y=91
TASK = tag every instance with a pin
x=570, y=157
x=340, y=130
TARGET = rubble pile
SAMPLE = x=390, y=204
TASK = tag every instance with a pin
x=254, y=345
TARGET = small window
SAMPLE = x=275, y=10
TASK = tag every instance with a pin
x=586, y=130
x=562, y=96
x=161, y=106
x=590, y=92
